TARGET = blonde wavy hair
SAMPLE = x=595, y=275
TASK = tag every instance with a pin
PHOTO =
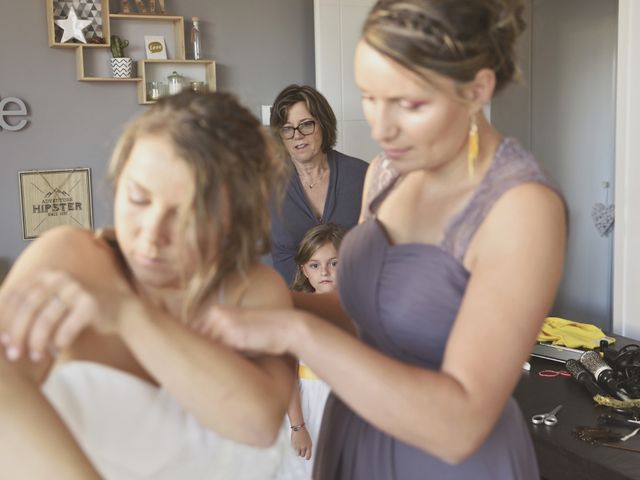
x=236, y=174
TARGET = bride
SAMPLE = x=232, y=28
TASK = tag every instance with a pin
x=103, y=376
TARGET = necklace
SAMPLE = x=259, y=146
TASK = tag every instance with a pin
x=318, y=180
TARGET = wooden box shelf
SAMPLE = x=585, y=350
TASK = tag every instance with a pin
x=159, y=70
x=93, y=59
x=178, y=29
x=94, y=75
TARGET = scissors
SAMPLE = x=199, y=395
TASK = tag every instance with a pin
x=549, y=419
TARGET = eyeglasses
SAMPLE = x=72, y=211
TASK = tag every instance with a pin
x=305, y=128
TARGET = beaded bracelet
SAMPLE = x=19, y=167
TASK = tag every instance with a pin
x=297, y=428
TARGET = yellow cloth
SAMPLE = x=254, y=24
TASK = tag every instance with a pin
x=567, y=333
x=306, y=373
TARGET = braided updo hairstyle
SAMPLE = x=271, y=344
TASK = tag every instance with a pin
x=455, y=38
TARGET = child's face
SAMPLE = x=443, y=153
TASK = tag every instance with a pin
x=321, y=268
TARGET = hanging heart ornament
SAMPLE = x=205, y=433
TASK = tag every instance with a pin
x=603, y=218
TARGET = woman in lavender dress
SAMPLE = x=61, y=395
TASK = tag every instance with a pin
x=448, y=276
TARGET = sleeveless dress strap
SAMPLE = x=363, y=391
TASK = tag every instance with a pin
x=382, y=177
x=512, y=166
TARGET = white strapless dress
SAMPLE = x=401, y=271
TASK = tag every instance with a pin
x=132, y=430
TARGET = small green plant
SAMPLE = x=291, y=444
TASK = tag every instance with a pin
x=117, y=46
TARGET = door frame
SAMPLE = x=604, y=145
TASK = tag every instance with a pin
x=626, y=257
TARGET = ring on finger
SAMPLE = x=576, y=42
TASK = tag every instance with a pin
x=58, y=299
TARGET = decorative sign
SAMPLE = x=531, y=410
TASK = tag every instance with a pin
x=155, y=47
x=72, y=27
x=84, y=10
x=49, y=198
x=20, y=112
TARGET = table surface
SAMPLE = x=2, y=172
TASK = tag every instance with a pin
x=560, y=454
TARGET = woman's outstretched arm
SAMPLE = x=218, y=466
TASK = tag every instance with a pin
x=325, y=305
x=69, y=283
x=515, y=263
x=242, y=398
x=35, y=441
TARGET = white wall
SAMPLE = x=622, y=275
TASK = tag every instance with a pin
x=511, y=108
x=337, y=29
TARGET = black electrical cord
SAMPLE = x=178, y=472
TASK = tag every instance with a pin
x=626, y=365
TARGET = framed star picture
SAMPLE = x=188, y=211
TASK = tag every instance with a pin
x=77, y=21
x=49, y=198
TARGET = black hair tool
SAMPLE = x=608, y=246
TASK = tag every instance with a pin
x=609, y=353
x=581, y=375
x=603, y=373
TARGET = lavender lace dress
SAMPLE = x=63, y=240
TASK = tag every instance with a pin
x=405, y=299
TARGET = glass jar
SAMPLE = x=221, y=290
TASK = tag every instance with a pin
x=199, y=87
x=155, y=90
x=176, y=83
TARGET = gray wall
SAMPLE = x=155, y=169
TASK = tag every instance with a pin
x=511, y=108
x=259, y=46
x=566, y=111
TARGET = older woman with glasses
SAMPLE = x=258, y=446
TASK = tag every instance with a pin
x=326, y=186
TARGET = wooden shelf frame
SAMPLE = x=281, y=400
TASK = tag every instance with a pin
x=178, y=27
x=208, y=68
x=83, y=77
x=179, y=45
x=200, y=70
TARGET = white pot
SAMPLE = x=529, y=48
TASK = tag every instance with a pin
x=122, y=67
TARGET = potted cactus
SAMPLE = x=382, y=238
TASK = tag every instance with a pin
x=121, y=66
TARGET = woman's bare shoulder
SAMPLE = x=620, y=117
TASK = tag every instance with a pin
x=77, y=251
x=529, y=215
x=262, y=286
x=71, y=237
x=528, y=201
x=72, y=245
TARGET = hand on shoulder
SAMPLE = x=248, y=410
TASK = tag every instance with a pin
x=259, y=321
x=63, y=283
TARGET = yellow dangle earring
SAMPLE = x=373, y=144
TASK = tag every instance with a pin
x=474, y=141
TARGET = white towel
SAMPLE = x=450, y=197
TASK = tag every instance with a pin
x=132, y=430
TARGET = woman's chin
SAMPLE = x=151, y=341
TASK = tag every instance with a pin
x=152, y=278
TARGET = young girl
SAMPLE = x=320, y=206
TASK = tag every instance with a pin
x=316, y=261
